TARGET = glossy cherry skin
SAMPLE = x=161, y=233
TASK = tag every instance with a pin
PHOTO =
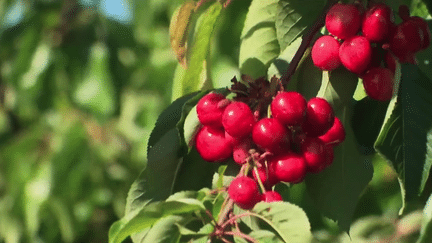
x=406, y=39
x=319, y=117
x=271, y=196
x=289, y=167
x=314, y=154
x=271, y=135
x=343, y=20
x=355, y=54
x=335, y=135
x=212, y=145
x=325, y=53
x=289, y=108
x=209, y=111
x=244, y=192
x=378, y=83
x=238, y=119
x=378, y=22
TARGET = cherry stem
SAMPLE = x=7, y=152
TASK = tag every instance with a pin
x=225, y=210
x=234, y=218
x=260, y=183
x=242, y=235
x=319, y=23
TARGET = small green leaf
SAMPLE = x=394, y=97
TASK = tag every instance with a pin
x=288, y=220
x=164, y=230
x=149, y=215
x=200, y=48
x=407, y=132
x=293, y=17
x=259, y=45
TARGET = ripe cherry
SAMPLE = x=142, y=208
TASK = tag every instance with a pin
x=343, y=20
x=271, y=135
x=212, y=145
x=355, y=54
x=210, y=111
x=289, y=167
x=406, y=39
x=319, y=117
x=335, y=135
x=238, y=119
x=271, y=196
x=422, y=24
x=241, y=150
x=378, y=83
x=325, y=53
x=289, y=108
x=313, y=150
x=377, y=23
x=244, y=192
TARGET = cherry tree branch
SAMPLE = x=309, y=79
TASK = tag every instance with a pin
x=319, y=23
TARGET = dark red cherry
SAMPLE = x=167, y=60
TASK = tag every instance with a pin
x=325, y=53
x=355, y=54
x=343, y=20
x=271, y=196
x=289, y=108
x=289, y=167
x=212, y=145
x=335, y=135
x=378, y=23
x=209, y=111
x=244, y=192
x=378, y=83
x=238, y=119
x=319, y=117
x=314, y=154
x=271, y=135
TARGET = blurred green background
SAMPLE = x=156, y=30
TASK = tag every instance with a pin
x=81, y=86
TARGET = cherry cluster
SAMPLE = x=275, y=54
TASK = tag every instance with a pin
x=298, y=137
x=369, y=43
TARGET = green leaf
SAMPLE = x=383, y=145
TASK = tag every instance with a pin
x=288, y=220
x=168, y=119
x=406, y=135
x=337, y=189
x=262, y=236
x=97, y=92
x=426, y=229
x=168, y=157
x=259, y=45
x=367, y=120
x=293, y=17
x=150, y=215
x=165, y=230
x=200, y=48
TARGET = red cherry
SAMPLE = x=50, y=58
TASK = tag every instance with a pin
x=313, y=150
x=270, y=135
x=422, y=24
x=241, y=150
x=266, y=175
x=406, y=39
x=378, y=83
x=335, y=135
x=212, y=145
x=343, y=20
x=238, y=119
x=244, y=192
x=378, y=22
x=355, y=54
x=319, y=117
x=289, y=108
x=289, y=167
x=271, y=196
x=209, y=111
x=325, y=53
